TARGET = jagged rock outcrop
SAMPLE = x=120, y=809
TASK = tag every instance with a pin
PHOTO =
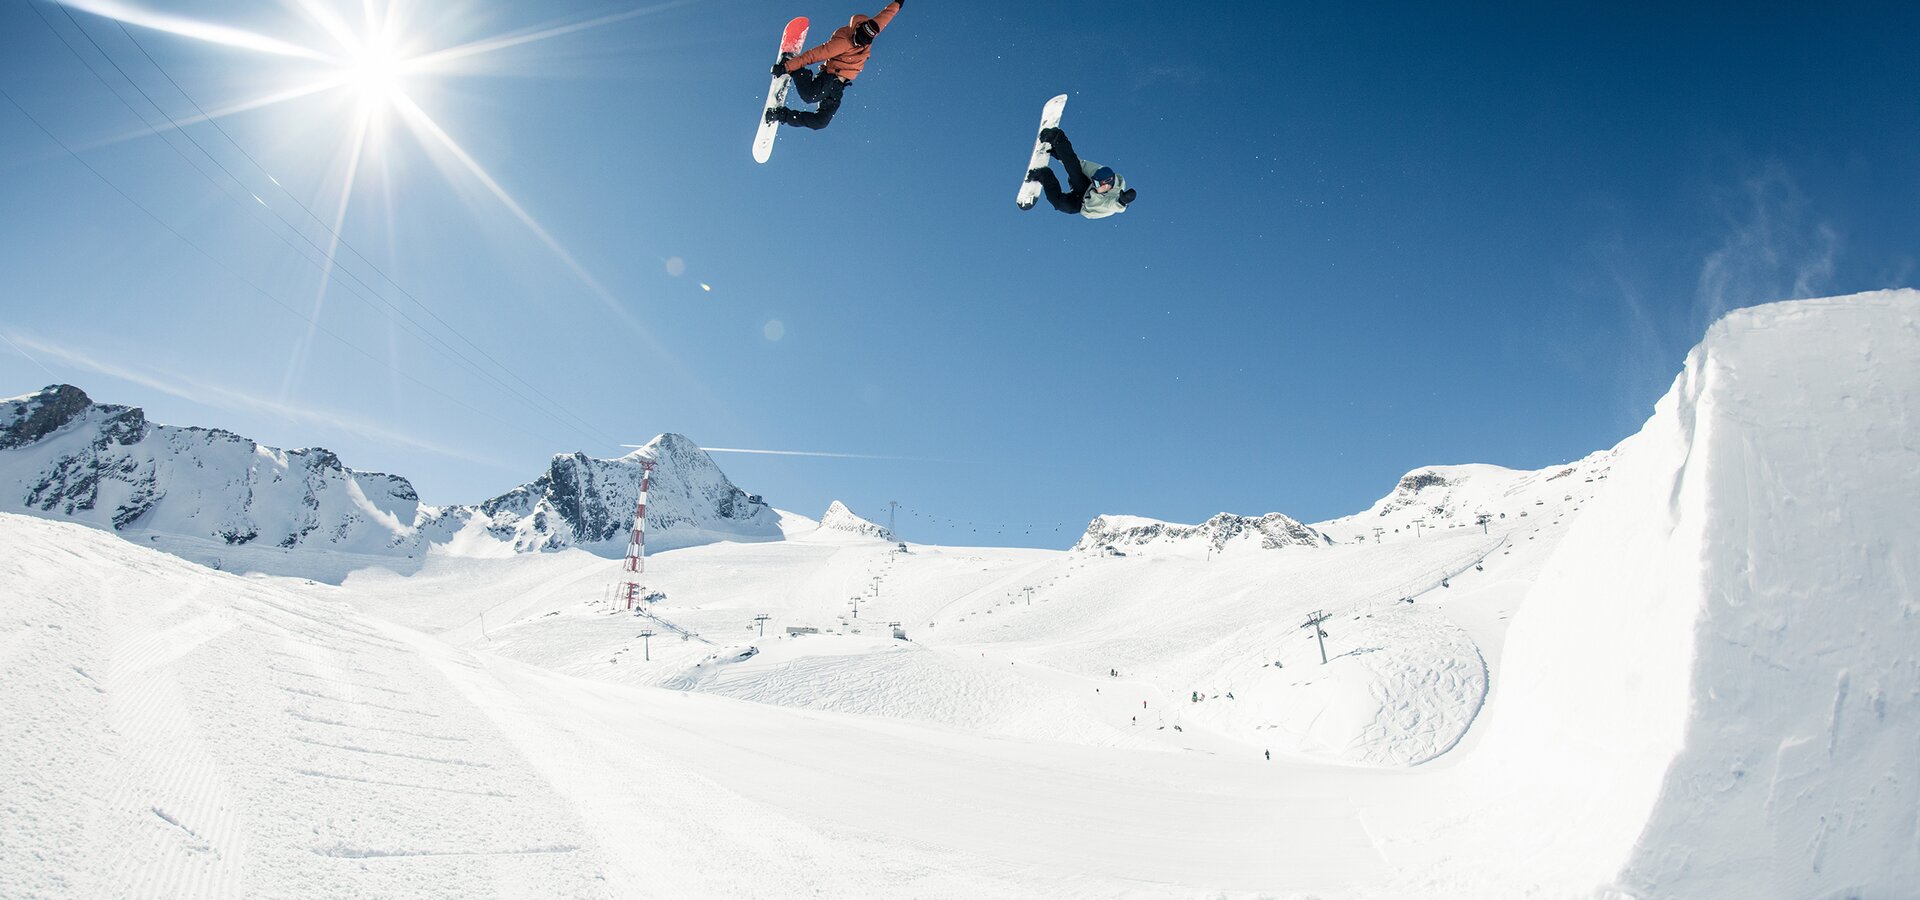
x=66, y=457
x=585, y=502
x=1269, y=532
x=63, y=456
x=839, y=518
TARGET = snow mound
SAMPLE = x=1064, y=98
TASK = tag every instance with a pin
x=1714, y=688
x=839, y=518
x=1132, y=533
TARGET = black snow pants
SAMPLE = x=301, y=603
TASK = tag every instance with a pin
x=822, y=89
x=1069, y=200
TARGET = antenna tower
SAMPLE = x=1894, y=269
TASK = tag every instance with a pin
x=637, y=546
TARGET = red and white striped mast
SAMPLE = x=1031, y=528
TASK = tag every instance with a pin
x=637, y=545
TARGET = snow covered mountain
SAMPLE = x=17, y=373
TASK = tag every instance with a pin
x=585, y=502
x=1445, y=497
x=839, y=518
x=1126, y=534
x=64, y=456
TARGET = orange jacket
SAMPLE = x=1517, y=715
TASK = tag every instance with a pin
x=840, y=55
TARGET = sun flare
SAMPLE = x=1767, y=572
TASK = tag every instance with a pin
x=377, y=75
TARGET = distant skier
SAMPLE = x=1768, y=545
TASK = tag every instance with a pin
x=841, y=58
x=1093, y=190
x=1269, y=756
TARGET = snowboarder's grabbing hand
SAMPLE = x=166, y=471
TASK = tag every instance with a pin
x=1093, y=190
x=841, y=58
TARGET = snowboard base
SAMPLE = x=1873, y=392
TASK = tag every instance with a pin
x=791, y=41
x=1049, y=118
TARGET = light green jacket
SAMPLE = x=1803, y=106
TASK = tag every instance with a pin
x=1095, y=205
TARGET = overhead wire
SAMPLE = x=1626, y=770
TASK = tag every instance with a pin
x=215, y=122
x=330, y=261
x=353, y=285
x=263, y=292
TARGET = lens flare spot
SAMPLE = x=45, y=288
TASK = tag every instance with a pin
x=775, y=330
x=676, y=267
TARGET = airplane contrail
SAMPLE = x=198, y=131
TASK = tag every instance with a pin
x=803, y=453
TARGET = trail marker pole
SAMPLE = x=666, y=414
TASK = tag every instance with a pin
x=1319, y=634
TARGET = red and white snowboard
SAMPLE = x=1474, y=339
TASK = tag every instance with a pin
x=791, y=41
x=1049, y=118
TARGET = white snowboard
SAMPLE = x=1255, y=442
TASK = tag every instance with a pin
x=791, y=41
x=1049, y=118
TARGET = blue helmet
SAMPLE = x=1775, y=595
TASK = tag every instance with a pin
x=1103, y=176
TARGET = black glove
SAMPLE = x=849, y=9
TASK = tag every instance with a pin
x=1053, y=135
x=1126, y=197
x=780, y=68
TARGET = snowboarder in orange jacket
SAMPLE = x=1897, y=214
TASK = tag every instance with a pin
x=841, y=58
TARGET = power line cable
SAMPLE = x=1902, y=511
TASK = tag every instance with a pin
x=326, y=260
x=211, y=120
x=330, y=262
x=242, y=278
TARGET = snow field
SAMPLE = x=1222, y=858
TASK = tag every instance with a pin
x=1710, y=688
x=1405, y=685
x=195, y=734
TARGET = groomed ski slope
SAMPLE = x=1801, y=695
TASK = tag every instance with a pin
x=1710, y=688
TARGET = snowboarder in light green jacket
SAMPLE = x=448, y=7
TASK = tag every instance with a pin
x=1093, y=190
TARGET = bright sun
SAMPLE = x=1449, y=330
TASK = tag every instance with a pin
x=377, y=75
x=376, y=55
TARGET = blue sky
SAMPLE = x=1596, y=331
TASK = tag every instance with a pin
x=1367, y=240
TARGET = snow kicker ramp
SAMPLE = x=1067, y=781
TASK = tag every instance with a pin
x=1714, y=689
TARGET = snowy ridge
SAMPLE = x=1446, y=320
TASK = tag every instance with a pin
x=215, y=496
x=588, y=503
x=839, y=518
x=1132, y=533
x=64, y=456
x=1447, y=497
